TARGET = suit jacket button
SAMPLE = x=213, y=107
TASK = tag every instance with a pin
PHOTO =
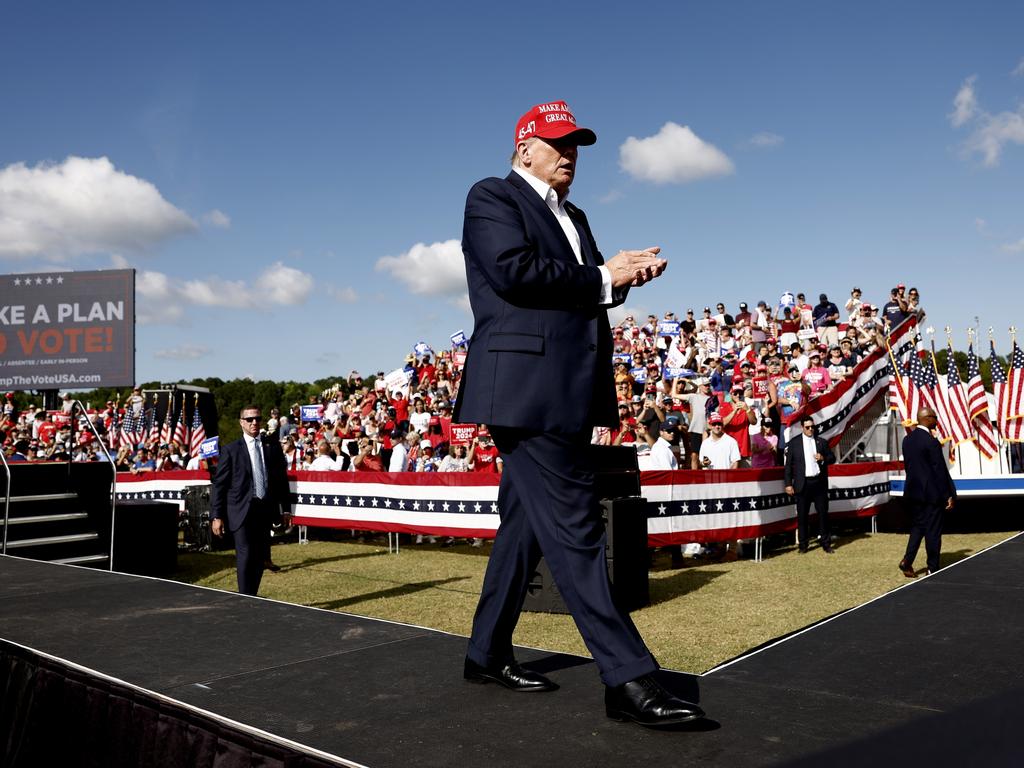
x=592, y=347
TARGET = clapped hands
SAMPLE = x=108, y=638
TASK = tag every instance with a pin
x=635, y=267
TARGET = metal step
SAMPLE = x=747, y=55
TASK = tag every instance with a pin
x=48, y=518
x=52, y=540
x=44, y=497
x=82, y=560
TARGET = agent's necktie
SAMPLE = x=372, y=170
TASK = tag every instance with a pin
x=259, y=475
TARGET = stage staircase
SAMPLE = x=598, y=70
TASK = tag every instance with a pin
x=58, y=512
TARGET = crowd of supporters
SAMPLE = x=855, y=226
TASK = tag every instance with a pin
x=710, y=390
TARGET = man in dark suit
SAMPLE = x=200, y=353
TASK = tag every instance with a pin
x=928, y=491
x=250, y=492
x=539, y=374
x=806, y=477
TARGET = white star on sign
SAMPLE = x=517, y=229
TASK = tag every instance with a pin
x=39, y=281
x=462, y=507
x=49, y=280
x=401, y=503
x=323, y=499
x=753, y=503
x=300, y=499
x=430, y=506
x=477, y=507
x=373, y=501
x=719, y=506
x=416, y=506
x=348, y=501
x=494, y=508
x=362, y=503
x=703, y=507
x=686, y=509
x=735, y=504
x=387, y=503
x=17, y=281
x=445, y=506
x=60, y=279
x=661, y=509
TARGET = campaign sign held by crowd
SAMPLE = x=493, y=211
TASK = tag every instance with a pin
x=459, y=338
x=209, y=448
x=312, y=412
x=422, y=348
x=668, y=328
x=622, y=357
x=463, y=434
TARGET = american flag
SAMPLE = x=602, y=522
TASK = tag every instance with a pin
x=934, y=397
x=977, y=403
x=956, y=398
x=1009, y=424
x=167, y=432
x=198, y=433
x=150, y=424
x=130, y=427
x=1015, y=385
x=113, y=431
x=900, y=399
x=180, y=431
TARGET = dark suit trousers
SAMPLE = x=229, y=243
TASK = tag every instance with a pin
x=548, y=505
x=815, y=491
x=927, y=525
x=252, y=543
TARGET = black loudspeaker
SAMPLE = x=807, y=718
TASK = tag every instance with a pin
x=146, y=538
x=195, y=523
x=626, y=555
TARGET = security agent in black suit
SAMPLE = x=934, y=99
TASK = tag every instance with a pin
x=250, y=493
x=539, y=375
x=806, y=477
x=929, y=491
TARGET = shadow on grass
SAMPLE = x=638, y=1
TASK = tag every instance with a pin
x=196, y=566
x=335, y=559
x=682, y=582
x=399, y=591
x=948, y=558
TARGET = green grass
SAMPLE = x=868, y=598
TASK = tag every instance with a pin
x=699, y=616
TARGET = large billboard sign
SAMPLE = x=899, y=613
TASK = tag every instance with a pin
x=67, y=330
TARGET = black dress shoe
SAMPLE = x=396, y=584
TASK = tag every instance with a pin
x=510, y=675
x=827, y=549
x=271, y=566
x=907, y=569
x=644, y=701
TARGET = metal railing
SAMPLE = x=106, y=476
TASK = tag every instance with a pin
x=113, y=480
x=7, y=501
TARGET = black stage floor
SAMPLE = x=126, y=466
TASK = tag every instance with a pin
x=930, y=673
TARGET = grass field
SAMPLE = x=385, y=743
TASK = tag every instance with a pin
x=699, y=616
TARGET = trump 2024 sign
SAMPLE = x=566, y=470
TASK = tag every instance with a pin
x=67, y=330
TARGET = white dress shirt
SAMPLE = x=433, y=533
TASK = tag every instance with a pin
x=557, y=207
x=811, y=468
x=661, y=456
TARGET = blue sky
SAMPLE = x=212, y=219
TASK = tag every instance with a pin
x=289, y=178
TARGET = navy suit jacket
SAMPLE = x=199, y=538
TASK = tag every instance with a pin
x=928, y=477
x=795, y=471
x=540, y=354
x=232, y=484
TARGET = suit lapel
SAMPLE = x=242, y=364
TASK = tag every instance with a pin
x=589, y=257
x=537, y=203
x=244, y=458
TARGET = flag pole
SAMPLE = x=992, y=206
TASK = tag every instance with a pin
x=970, y=345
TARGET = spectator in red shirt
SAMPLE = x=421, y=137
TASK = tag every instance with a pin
x=816, y=375
x=483, y=454
x=737, y=416
x=401, y=406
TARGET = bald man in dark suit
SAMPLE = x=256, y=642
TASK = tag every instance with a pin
x=929, y=492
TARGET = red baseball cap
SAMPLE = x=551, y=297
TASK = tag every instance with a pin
x=553, y=120
x=715, y=418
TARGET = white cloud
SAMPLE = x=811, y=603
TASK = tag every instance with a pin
x=766, y=139
x=981, y=225
x=965, y=103
x=429, y=270
x=675, y=155
x=161, y=298
x=993, y=133
x=83, y=205
x=346, y=295
x=1017, y=247
x=611, y=196
x=617, y=314
x=218, y=219
x=183, y=352
x=1019, y=69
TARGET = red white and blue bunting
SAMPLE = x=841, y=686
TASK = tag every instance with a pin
x=682, y=506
